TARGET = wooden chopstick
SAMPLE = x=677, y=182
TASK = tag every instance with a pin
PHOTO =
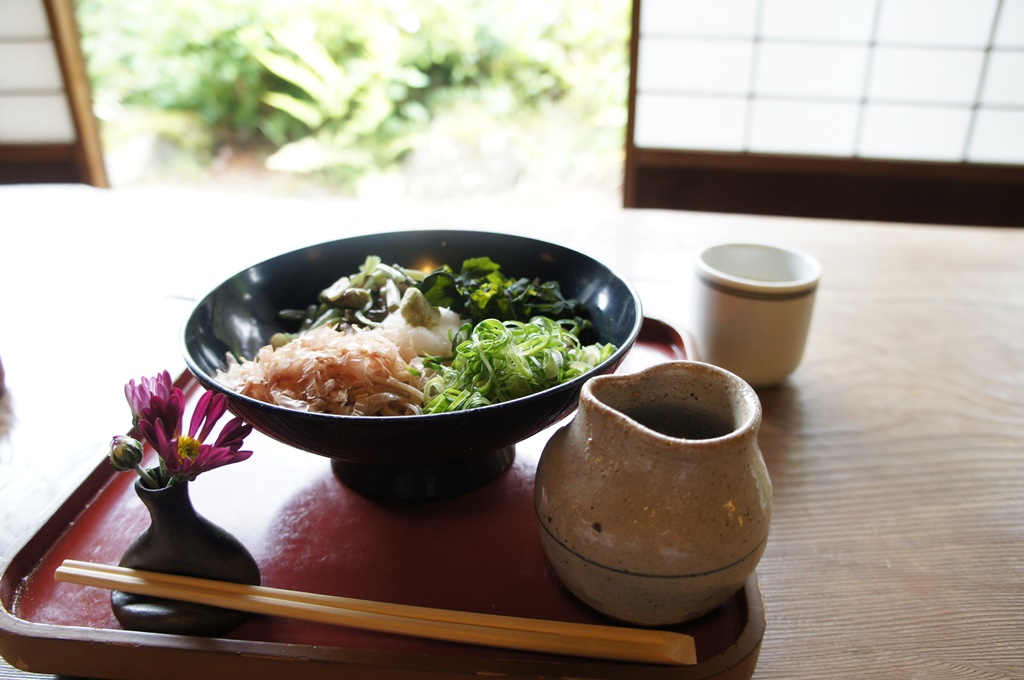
x=537, y=635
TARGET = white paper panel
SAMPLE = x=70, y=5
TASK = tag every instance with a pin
x=818, y=20
x=813, y=71
x=1010, y=31
x=37, y=119
x=1004, y=79
x=925, y=75
x=998, y=137
x=677, y=122
x=819, y=128
x=29, y=66
x=914, y=132
x=699, y=18
x=694, y=66
x=936, y=23
x=23, y=19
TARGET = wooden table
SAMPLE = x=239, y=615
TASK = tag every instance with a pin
x=896, y=450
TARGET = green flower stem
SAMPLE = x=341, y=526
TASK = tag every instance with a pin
x=147, y=479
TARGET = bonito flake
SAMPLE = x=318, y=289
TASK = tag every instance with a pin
x=352, y=372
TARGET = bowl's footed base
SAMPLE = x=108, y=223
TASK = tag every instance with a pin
x=428, y=481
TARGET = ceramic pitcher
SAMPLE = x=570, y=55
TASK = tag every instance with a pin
x=654, y=501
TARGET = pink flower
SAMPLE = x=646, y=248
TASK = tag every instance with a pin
x=184, y=456
x=158, y=409
x=140, y=395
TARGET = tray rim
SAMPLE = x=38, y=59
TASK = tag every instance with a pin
x=63, y=650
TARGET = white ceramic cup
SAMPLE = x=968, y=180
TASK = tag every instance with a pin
x=751, y=308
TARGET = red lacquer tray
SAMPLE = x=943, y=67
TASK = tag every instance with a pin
x=477, y=552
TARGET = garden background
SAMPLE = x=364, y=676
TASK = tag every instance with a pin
x=429, y=100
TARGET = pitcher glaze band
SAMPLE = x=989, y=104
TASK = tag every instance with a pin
x=725, y=567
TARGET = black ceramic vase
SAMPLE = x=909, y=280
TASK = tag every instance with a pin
x=180, y=541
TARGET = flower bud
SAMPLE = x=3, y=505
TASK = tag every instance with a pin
x=125, y=453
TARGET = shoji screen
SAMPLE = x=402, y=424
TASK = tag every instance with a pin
x=905, y=88
x=47, y=131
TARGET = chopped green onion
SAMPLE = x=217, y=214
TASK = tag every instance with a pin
x=501, y=360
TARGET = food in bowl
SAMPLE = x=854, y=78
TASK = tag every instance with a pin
x=392, y=340
x=427, y=456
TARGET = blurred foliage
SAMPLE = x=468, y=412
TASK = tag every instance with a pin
x=347, y=85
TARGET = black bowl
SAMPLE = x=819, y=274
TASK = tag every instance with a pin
x=409, y=457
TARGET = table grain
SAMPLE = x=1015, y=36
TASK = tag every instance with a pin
x=896, y=450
